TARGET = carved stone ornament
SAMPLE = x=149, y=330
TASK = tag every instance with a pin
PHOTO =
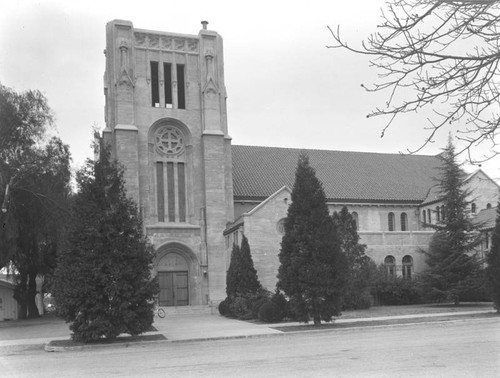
x=165, y=42
x=169, y=141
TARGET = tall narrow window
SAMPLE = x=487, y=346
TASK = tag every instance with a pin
x=155, y=89
x=443, y=213
x=167, y=73
x=429, y=215
x=407, y=267
x=438, y=214
x=171, y=192
x=391, y=222
x=404, y=222
x=355, y=219
x=473, y=208
x=160, y=192
x=181, y=187
x=390, y=266
x=424, y=217
x=181, y=98
x=488, y=205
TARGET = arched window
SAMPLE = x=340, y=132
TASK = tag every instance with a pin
x=473, y=208
x=390, y=266
x=438, y=214
x=488, y=205
x=429, y=215
x=355, y=218
x=404, y=222
x=424, y=216
x=443, y=213
x=407, y=267
x=391, y=222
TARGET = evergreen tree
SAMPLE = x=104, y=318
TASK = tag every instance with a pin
x=360, y=269
x=493, y=260
x=452, y=265
x=103, y=284
x=241, y=276
x=313, y=268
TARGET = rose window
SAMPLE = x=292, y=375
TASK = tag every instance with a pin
x=169, y=140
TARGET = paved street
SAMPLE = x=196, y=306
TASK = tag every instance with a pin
x=461, y=348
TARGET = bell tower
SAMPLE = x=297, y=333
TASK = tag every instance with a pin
x=166, y=122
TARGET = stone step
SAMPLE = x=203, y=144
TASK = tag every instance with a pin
x=189, y=310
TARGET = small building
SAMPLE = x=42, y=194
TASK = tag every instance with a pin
x=8, y=305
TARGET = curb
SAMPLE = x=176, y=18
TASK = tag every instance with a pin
x=51, y=348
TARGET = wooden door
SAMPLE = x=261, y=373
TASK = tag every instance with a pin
x=174, y=289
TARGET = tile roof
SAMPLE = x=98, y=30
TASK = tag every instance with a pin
x=258, y=172
x=486, y=218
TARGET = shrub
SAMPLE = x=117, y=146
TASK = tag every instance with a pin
x=239, y=308
x=270, y=313
x=224, y=309
x=279, y=300
x=397, y=291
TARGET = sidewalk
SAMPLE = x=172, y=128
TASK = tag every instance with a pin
x=35, y=334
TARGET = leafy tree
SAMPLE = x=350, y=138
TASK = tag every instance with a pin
x=242, y=277
x=313, y=268
x=34, y=190
x=360, y=267
x=441, y=55
x=103, y=284
x=452, y=265
x=493, y=260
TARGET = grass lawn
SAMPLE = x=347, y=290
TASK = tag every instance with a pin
x=435, y=308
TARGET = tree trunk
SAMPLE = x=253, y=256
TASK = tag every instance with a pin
x=20, y=296
x=31, y=294
x=316, y=315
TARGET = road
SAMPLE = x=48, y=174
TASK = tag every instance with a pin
x=465, y=348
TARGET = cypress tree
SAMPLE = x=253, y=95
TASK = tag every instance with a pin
x=357, y=293
x=493, y=260
x=103, y=284
x=313, y=268
x=452, y=266
x=241, y=276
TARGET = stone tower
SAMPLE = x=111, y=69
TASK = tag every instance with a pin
x=166, y=122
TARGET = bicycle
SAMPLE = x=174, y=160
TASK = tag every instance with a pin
x=158, y=311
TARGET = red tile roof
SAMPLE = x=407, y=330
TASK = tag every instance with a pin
x=258, y=172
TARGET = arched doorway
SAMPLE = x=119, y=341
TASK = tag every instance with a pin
x=173, y=277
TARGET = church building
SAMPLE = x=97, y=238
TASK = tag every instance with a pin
x=166, y=121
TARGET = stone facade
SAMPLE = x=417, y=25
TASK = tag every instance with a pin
x=166, y=123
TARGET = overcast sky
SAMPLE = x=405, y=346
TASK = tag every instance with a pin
x=285, y=88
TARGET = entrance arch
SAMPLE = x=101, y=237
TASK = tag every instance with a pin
x=175, y=268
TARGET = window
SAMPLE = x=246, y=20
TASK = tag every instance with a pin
x=181, y=98
x=424, y=217
x=404, y=222
x=155, y=88
x=280, y=226
x=407, y=267
x=390, y=266
x=429, y=215
x=488, y=205
x=438, y=214
x=487, y=241
x=170, y=174
x=391, y=222
x=473, y=208
x=443, y=214
x=167, y=74
x=355, y=219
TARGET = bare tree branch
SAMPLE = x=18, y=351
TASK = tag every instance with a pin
x=443, y=55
